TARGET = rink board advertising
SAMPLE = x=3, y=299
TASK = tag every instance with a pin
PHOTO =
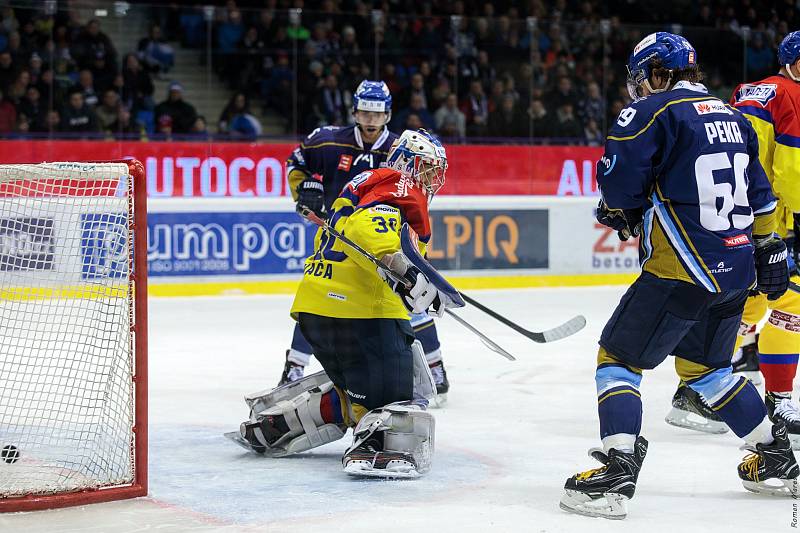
x=258, y=170
x=484, y=239
x=201, y=240
x=213, y=244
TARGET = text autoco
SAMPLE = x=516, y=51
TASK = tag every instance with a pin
x=494, y=234
x=214, y=177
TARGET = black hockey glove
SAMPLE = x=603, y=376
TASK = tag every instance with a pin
x=626, y=222
x=310, y=195
x=772, y=269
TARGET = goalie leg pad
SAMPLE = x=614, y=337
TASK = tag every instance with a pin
x=285, y=426
x=262, y=400
x=394, y=441
x=424, y=384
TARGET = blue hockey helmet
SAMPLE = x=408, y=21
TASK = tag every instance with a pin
x=789, y=51
x=373, y=96
x=673, y=51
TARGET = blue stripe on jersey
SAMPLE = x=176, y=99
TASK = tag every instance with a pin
x=693, y=267
x=756, y=111
x=778, y=358
x=350, y=195
x=767, y=208
x=647, y=231
x=788, y=140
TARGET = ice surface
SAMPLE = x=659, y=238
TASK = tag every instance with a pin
x=506, y=441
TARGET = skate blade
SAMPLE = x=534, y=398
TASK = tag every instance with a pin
x=236, y=437
x=787, y=487
x=612, y=506
x=393, y=470
x=752, y=375
x=688, y=420
x=438, y=401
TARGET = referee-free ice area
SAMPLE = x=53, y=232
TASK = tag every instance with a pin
x=510, y=435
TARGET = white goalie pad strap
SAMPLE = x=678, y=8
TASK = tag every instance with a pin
x=424, y=385
x=302, y=415
x=410, y=430
x=265, y=399
x=407, y=426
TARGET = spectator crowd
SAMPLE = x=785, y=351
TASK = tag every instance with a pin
x=550, y=70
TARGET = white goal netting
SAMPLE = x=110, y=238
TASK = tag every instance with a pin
x=66, y=311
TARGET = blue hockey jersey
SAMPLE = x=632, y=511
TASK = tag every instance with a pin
x=337, y=154
x=690, y=162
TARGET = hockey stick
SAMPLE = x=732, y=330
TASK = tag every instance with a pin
x=486, y=340
x=570, y=327
x=312, y=217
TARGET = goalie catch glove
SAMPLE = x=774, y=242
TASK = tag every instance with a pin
x=420, y=294
x=772, y=268
x=626, y=222
x=310, y=195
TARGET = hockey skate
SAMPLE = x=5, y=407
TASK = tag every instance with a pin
x=747, y=363
x=395, y=441
x=690, y=411
x=784, y=411
x=442, y=384
x=604, y=492
x=291, y=371
x=771, y=468
x=369, y=459
x=263, y=433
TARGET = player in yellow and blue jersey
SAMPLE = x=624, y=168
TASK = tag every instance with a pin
x=681, y=168
x=357, y=322
x=336, y=155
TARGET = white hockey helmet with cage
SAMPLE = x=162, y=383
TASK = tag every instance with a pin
x=419, y=156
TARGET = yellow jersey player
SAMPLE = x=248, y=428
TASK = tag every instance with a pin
x=357, y=322
x=771, y=105
x=337, y=155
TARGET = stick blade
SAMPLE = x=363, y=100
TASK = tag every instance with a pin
x=570, y=327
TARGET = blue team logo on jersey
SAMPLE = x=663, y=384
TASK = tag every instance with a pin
x=359, y=179
x=761, y=93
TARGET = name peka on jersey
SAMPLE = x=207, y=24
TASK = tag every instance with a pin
x=690, y=163
x=338, y=281
x=773, y=106
x=338, y=154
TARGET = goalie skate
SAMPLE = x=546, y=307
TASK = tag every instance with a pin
x=369, y=461
x=690, y=411
x=395, y=441
x=237, y=438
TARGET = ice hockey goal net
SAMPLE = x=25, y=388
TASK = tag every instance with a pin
x=73, y=334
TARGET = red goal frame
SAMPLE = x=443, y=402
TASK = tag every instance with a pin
x=137, y=203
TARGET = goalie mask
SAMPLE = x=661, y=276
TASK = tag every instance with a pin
x=420, y=156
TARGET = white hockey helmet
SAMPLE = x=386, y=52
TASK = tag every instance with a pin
x=421, y=157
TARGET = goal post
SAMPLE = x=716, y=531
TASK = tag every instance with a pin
x=73, y=333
